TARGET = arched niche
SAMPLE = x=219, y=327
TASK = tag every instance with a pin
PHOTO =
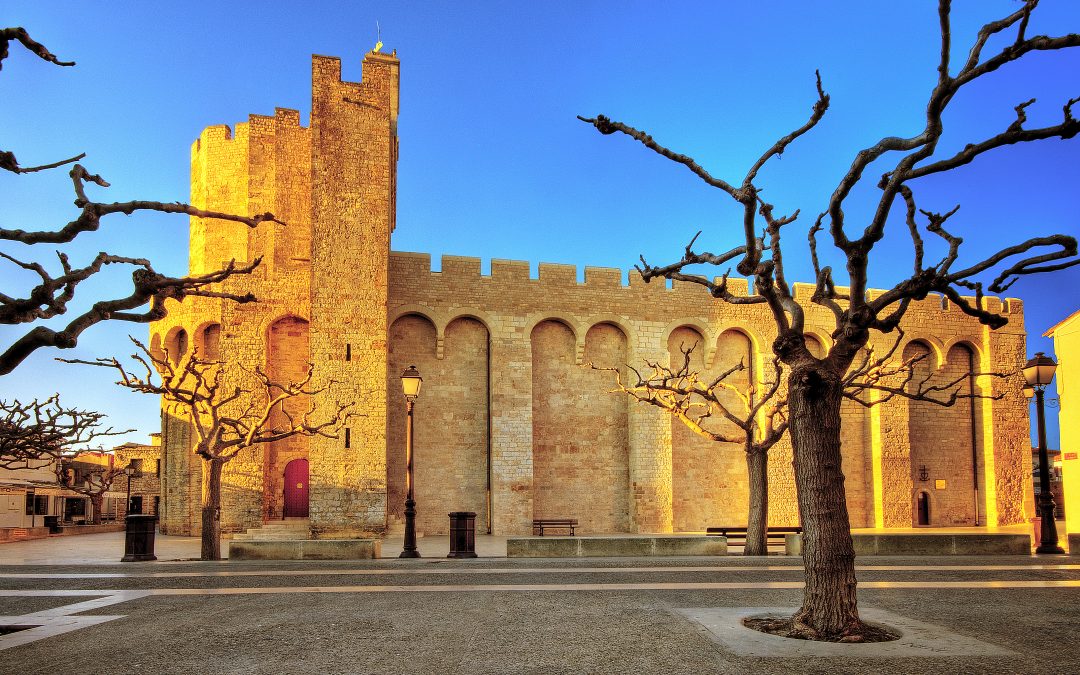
x=287, y=356
x=450, y=421
x=208, y=342
x=946, y=438
x=176, y=344
x=709, y=480
x=815, y=344
x=156, y=349
x=580, y=438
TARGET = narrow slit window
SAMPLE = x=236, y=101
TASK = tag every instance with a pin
x=347, y=438
x=348, y=352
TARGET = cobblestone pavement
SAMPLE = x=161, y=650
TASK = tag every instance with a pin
x=494, y=615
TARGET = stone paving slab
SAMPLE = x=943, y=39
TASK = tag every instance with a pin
x=917, y=639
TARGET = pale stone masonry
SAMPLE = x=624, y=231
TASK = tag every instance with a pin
x=511, y=423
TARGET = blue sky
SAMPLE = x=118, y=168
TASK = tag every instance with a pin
x=494, y=163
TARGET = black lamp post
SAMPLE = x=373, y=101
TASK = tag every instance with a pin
x=129, y=471
x=1038, y=372
x=410, y=386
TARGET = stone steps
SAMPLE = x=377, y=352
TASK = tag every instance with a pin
x=277, y=530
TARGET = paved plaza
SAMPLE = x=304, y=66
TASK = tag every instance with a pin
x=1007, y=614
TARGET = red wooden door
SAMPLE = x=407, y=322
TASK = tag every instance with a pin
x=296, y=489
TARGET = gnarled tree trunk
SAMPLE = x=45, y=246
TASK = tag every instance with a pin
x=758, y=513
x=95, y=503
x=828, y=607
x=211, y=511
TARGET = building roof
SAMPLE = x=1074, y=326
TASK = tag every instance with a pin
x=1050, y=331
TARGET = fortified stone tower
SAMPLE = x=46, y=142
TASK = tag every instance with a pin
x=354, y=181
x=322, y=291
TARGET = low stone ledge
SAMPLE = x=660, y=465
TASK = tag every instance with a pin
x=11, y=534
x=306, y=549
x=603, y=547
x=929, y=543
x=1074, y=543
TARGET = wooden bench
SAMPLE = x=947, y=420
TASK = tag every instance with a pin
x=557, y=523
x=738, y=534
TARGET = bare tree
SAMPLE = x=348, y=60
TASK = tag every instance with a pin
x=722, y=411
x=51, y=294
x=90, y=480
x=227, y=417
x=37, y=433
x=754, y=416
x=42, y=434
x=816, y=385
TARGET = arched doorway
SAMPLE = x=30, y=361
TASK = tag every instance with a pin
x=296, y=489
x=923, y=507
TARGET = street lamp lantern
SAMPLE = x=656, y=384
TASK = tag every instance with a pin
x=410, y=383
x=1038, y=373
x=1040, y=370
x=129, y=471
x=410, y=386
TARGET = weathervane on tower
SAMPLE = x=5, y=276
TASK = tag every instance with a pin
x=378, y=37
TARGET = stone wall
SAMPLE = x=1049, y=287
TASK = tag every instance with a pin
x=146, y=484
x=682, y=470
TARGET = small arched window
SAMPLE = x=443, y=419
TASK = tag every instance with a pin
x=923, y=508
x=211, y=342
x=178, y=345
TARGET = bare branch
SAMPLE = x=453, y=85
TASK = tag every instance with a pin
x=607, y=126
x=777, y=149
x=9, y=163
x=892, y=378
x=685, y=394
x=42, y=431
x=20, y=34
x=92, y=212
x=50, y=298
x=226, y=421
x=51, y=294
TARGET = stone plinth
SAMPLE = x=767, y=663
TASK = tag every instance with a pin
x=602, y=547
x=930, y=543
x=306, y=549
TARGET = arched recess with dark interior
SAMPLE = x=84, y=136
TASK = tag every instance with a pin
x=450, y=423
x=922, y=509
x=580, y=438
x=156, y=349
x=709, y=483
x=287, y=354
x=177, y=345
x=209, y=342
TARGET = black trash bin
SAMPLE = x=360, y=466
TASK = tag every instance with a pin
x=462, y=534
x=53, y=523
x=139, y=539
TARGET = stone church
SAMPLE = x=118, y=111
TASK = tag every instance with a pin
x=510, y=424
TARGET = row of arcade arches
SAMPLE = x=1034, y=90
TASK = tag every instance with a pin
x=580, y=454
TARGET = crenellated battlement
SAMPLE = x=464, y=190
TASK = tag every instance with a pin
x=222, y=134
x=510, y=274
